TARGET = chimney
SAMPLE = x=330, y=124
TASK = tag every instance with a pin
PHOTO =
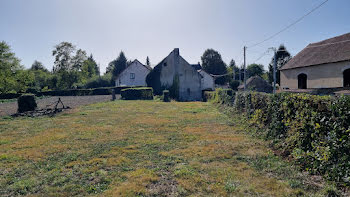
x=177, y=51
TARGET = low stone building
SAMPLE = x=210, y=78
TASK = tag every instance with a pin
x=324, y=64
x=257, y=84
x=175, y=74
x=133, y=75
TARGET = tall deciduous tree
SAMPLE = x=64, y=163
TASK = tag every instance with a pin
x=283, y=56
x=12, y=74
x=212, y=63
x=63, y=53
x=255, y=70
x=78, y=60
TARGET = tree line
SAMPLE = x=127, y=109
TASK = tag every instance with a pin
x=73, y=68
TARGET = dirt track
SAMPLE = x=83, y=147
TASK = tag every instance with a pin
x=7, y=109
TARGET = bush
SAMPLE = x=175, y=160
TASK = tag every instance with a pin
x=26, y=103
x=137, y=94
x=166, y=96
x=234, y=84
x=314, y=130
x=100, y=81
x=223, y=96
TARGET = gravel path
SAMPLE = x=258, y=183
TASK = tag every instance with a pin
x=10, y=108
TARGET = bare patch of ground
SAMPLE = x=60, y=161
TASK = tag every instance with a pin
x=10, y=108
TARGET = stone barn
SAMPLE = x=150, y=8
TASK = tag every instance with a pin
x=324, y=64
x=175, y=74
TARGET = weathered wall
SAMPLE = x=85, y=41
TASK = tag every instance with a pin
x=140, y=72
x=189, y=80
x=208, y=82
x=321, y=76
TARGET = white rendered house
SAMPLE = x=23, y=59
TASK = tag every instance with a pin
x=133, y=75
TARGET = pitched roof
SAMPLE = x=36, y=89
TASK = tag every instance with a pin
x=332, y=50
x=258, y=84
x=135, y=61
x=197, y=66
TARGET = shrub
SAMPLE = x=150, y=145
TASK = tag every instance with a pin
x=223, y=96
x=26, y=103
x=137, y=94
x=208, y=95
x=234, y=84
x=166, y=96
x=314, y=130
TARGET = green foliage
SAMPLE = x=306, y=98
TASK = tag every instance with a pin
x=12, y=74
x=118, y=65
x=100, y=81
x=144, y=93
x=26, y=103
x=221, y=96
x=314, y=130
x=283, y=56
x=174, y=89
x=166, y=96
x=234, y=84
x=212, y=63
x=255, y=70
x=153, y=79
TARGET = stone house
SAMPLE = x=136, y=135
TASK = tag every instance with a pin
x=175, y=74
x=324, y=64
x=133, y=75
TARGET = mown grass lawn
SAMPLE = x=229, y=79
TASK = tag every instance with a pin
x=141, y=148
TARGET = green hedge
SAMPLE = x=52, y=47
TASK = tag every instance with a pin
x=221, y=96
x=10, y=96
x=73, y=92
x=313, y=130
x=145, y=93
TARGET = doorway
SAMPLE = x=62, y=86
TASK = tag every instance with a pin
x=302, y=81
x=346, y=78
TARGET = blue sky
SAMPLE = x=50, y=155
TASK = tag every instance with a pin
x=153, y=28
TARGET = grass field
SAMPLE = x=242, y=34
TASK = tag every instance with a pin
x=142, y=148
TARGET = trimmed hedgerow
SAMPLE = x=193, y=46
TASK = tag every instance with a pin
x=10, y=96
x=26, y=102
x=137, y=94
x=313, y=130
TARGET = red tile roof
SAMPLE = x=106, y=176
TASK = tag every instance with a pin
x=332, y=50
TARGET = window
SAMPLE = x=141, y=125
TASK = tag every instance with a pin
x=132, y=75
x=165, y=64
x=302, y=81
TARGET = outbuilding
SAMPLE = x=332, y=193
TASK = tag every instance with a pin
x=324, y=64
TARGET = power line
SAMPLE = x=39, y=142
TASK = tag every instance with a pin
x=263, y=55
x=289, y=26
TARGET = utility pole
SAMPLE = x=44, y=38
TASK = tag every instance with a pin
x=274, y=70
x=245, y=72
